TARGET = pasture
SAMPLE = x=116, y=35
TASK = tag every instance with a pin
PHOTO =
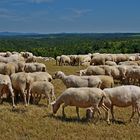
x=36, y=122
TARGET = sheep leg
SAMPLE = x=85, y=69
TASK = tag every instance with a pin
x=24, y=96
x=29, y=96
x=112, y=113
x=63, y=110
x=133, y=112
x=39, y=98
x=138, y=110
x=139, y=115
x=49, y=100
x=106, y=109
x=77, y=111
x=53, y=95
x=12, y=96
x=99, y=112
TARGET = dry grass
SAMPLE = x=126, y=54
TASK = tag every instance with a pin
x=37, y=123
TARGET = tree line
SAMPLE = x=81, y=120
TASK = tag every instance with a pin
x=54, y=45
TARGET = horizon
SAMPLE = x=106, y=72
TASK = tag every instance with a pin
x=54, y=17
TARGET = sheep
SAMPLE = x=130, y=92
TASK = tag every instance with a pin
x=41, y=88
x=34, y=67
x=107, y=81
x=92, y=70
x=128, y=63
x=81, y=97
x=64, y=59
x=20, y=83
x=78, y=81
x=58, y=60
x=40, y=76
x=10, y=68
x=73, y=59
x=98, y=60
x=6, y=85
x=123, y=96
x=80, y=59
x=110, y=63
x=2, y=68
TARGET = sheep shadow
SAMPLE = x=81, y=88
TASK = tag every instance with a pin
x=118, y=122
x=68, y=119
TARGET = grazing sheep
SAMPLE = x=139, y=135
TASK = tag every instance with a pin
x=107, y=81
x=123, y=96
x=64, y=59
x=78, y=81
x=92, y=70
x=6, y=85
x=40, y=76
x=34, y=67
x=81, y=97
x=41, y=88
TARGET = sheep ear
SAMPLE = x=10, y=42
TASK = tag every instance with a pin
x=53, y=102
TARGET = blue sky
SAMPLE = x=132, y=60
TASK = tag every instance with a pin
x=72, y=16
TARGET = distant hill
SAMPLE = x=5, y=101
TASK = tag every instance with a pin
x=16, y=34
x=68, y=35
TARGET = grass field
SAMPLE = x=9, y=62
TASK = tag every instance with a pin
x=36, y=122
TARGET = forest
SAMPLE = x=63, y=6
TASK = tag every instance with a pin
x=52, y=45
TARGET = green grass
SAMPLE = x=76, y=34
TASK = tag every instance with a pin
x=36, y=122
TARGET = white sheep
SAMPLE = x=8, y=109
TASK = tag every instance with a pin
x=21, y=81
x=58, y=60
x=123, y=96
x=64, y=59
x=81, y=97
x=6, y=85
x=34, y=67
x=78, y=81
x=40, y=88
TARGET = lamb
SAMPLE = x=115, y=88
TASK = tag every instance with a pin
x=123, y=96
x=78, y=81
x=81, y=97
x=41, y=88
x=6, y=85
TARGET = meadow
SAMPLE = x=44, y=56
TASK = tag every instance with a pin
x=36, y=122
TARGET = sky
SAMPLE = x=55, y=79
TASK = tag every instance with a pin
x=70, y=16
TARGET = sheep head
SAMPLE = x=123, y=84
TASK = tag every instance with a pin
x=55, y=107
x=58, y=75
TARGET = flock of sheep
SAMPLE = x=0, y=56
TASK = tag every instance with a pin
x=99, y=78
x=22, y=77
